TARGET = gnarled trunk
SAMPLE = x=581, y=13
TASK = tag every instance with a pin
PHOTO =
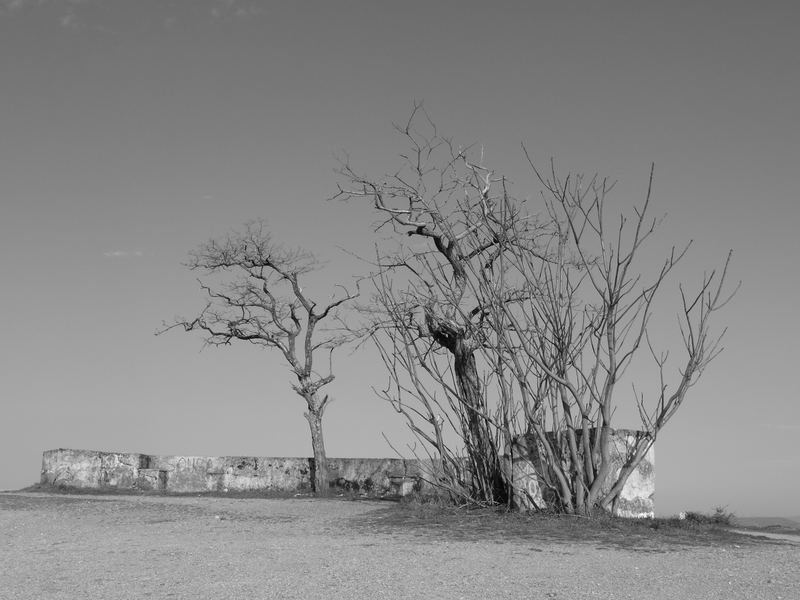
x=320, y=466
x=481, y=449
x=483, y=461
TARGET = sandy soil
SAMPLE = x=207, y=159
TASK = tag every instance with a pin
x=115, y=547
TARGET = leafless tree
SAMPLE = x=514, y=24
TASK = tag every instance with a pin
x=427, y=320
x=497, y=323
x=257, y=298
x=586, y=315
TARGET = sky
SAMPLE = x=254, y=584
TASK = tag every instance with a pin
x=131, y=132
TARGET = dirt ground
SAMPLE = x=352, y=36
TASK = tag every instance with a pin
x=119, y=547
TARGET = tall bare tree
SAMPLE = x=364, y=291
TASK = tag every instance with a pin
x=257, y=297
x=498, y=324
x=428, y=322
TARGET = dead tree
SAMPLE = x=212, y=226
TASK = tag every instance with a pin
x=586, y=320
x=257, y=297
x=496, y=322
x=452, y=218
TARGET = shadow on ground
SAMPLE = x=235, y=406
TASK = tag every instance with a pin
x=482, y=525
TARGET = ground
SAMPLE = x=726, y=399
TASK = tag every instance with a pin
x=58, y=546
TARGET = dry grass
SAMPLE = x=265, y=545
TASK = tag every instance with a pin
x=602, y=531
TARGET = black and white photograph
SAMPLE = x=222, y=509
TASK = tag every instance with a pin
x=444, y=299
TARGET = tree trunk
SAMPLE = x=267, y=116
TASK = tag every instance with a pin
x=481, y=449
x=320, y=466
x=484, y=464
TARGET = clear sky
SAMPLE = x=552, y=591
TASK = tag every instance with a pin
x=131, y=131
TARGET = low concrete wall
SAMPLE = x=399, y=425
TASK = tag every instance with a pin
x=90, y=469
x=376, y=476
x=177, y=474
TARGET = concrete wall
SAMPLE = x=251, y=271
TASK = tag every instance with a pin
x=376, y=476
x=90, y=469
x=186, y=474
x=637, y=498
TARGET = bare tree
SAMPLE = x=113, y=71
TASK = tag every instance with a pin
x=585, y=319
x=428, y=322
x=258, y=298
x=497, y=324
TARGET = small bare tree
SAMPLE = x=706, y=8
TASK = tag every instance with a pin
x=585, y=318
x=257, y=298
x=498, y=325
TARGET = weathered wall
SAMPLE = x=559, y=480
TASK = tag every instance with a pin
x=637, y=498
x=379, y=476
x=91, y=469
x=115, y=470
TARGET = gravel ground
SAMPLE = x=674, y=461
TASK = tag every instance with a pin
x=119, y=547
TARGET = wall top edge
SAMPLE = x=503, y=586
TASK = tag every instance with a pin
x=231, y=456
